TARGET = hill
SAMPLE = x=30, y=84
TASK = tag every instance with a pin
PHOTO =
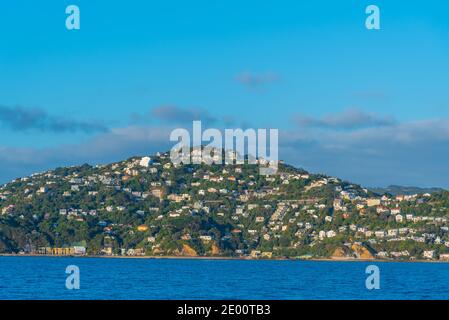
x=148, y=206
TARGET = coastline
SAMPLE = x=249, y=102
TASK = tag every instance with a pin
x=221, y=258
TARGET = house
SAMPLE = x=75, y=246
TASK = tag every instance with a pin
x=137, y=194
x=205, y=238
x=255, y=254
x=145, y=162
x=379, y=234
x=398, y=254
x=131, y=252
x=331, y=234
x=239, y=210
x=155, y=184
x=252, y=206
x=382, y=209
x=158, y=193
x=267, y=254
x=322, y=234
x=167, y=165
x=396, y=211
x=444, y=256
x=428, y=254
x=373, y=202
x=107, y=251
x=392, y=232
x=42, y=190
x=7, y=209
x=174, y=215
x=79, y=250
x=178, y=198
x=186, y=237
x=142, y=228
x=139, y=251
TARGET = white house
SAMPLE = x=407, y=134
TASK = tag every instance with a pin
x=79, y=250
x=145, y=162
x=379, y=234
x=428, y=254
x=331, y=234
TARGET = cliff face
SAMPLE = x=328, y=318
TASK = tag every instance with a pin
x=355, y=251
x=361, y=252
x=188, y=251
x=339, y=253
x=215, y=250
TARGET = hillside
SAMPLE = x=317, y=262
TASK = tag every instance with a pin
x=147, y=206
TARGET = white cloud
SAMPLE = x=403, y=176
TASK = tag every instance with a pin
x=414, y=153
x=20, y=119
x=348, y=119
x=118, y=144
x=253, y=80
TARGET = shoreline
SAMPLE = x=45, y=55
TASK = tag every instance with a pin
x=220, y=258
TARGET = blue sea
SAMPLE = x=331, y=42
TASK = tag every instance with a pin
x=45, y=278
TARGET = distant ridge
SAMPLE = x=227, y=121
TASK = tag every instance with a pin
x=402, y=190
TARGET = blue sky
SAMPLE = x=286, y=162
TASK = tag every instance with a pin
x=370, y=106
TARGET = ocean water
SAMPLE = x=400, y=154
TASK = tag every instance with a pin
x=45, y=278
